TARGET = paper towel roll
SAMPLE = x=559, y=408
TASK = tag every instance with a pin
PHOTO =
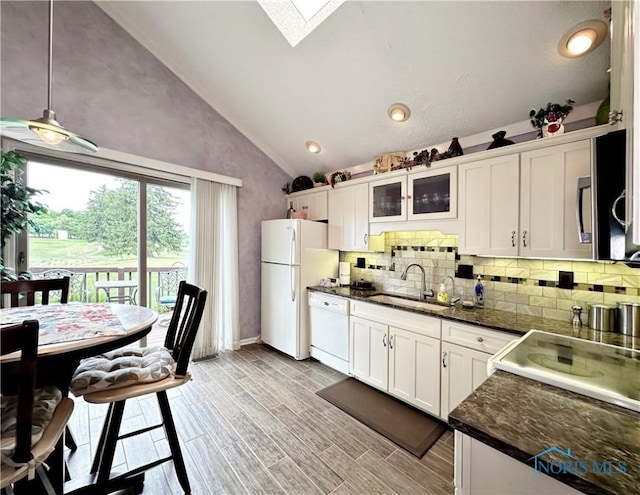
x=345, y=273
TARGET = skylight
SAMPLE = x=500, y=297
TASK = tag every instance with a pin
x=297, y=18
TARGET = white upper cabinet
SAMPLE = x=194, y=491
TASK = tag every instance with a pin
x=525, y=204
x=349, y=218
x=489, y=206
x=623, y=38
x=433, y=194
x=427, y=195
x=388, y=200
x=548, y=200
x=314, y=202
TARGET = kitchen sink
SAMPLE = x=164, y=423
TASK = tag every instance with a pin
x=409, y=303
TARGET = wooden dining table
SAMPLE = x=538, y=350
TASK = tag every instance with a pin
x=69, y=333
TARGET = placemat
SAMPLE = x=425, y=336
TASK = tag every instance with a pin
x=67, y=322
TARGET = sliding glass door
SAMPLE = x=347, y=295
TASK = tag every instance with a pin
x=106, y=228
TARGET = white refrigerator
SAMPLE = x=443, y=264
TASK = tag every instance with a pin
x=294, y=256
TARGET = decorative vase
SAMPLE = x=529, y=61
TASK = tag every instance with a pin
x=552, y=129
x=499, y=141
x=454, y=148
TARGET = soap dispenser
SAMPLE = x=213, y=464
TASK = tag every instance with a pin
x=479, y=293
x=443, y=297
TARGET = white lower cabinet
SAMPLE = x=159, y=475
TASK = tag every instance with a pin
x=413, y=369
x=431, y=363
x=480, y=469
x=368, y=357
x=465, y=352
x=401, y=361
x=463, y=370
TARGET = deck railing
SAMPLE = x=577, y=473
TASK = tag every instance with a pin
x=109, y=273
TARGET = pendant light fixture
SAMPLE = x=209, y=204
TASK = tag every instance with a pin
x=46, y=131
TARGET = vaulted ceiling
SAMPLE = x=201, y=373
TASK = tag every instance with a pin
x=461, y=67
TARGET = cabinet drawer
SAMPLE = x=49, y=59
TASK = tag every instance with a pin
x=428, y=326
x=474, y=337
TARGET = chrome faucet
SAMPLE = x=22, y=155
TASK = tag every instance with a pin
x=454, y=299
x=424, y=292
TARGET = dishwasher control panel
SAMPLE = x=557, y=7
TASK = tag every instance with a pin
x=330, y=303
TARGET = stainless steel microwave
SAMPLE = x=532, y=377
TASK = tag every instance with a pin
x=610, y=234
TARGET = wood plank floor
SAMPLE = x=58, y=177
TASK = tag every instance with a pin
x=250, y=423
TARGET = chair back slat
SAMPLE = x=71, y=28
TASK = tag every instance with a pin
x=29, y=288
x=184, y=324
x=23, y=337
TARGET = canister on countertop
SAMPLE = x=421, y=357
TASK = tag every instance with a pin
x=629, y=319
x=603, y=317
x=345, y=273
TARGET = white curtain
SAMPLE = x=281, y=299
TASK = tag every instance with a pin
x=214, y=264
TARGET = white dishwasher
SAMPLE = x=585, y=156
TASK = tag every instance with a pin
x=329, y=321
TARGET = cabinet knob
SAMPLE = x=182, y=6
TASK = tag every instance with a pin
x=390, y=341
x=384, y=340
x=366, y=236
x=524, y=238
x=615, y=116
x=408, y=197
x=444, y=356
x=480, y=339
x=513, y=238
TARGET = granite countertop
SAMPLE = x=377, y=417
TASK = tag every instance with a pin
x=499, y=320
x=499, y=413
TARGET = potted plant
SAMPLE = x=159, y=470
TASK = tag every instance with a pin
x=17, y=203
x=320, y=179
x=549, y=120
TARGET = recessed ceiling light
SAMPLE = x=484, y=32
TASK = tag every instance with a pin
x=398, y=112
x=313, y=147
x=582, y=38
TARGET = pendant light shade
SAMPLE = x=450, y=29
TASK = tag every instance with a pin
x=46, y=131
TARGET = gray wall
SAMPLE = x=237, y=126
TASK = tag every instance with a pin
x=110, y=89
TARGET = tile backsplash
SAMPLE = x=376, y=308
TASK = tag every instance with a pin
x=517, y=285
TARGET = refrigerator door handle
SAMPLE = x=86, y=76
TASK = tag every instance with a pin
x=293, y=284
x=583, y=183
x=293, y=247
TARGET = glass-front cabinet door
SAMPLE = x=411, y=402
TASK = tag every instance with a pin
x=432, y=194
x=388, y=200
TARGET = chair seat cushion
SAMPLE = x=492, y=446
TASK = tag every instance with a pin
x=121, y=368
x=167, y=300
x=45, y=401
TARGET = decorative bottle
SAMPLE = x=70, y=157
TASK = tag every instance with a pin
x=454, y=148
x=479, y=293
x=291, y=210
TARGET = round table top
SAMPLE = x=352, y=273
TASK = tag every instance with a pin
x=67, y=328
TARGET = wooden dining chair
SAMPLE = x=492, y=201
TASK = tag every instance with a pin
x=23, y=292
x=26, y=290
x=32, y=420
x=106, y=379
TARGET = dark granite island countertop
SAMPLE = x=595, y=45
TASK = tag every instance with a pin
x=498, y=320
x=522, y=417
